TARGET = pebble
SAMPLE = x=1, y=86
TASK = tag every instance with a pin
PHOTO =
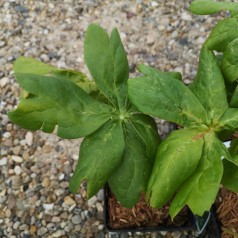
x=4, y=80
x=45, y=182
x=76, y=219
x=41, y=231
x=92, y=201
x=59, y=233
x=61, y=177
x=48, y=206
x=17, y=170
x=56, y=219
x=69, y=201
x=29, y=138
x=17, y=159
x=3, y=161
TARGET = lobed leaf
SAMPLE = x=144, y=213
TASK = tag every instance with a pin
x=200, y=190
x=132, y=175
x=107, y=62
x=100, y=155
x=234, y=98
x=207, y=7
x=176, y=160
x=29, y=65
x=229, y=64
x=230, y=176
x=229, y=119
x=149, y=71
x=65, y=104
x=166, y=98
x=223, y=34
x=209, y=85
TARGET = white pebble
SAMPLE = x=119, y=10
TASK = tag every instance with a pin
x=17, y=170
x=3, y=161
x=154, y=4
x=48, y=206
x=29, y=138
x=3, y=82
x=6, y=135
x=61, y=177
x=92, y=201
x=17, y=159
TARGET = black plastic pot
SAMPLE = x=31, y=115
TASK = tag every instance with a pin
x=205, y=226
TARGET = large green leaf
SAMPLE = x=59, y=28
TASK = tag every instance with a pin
x=121, y=69
x=209, y=85
x=200, y=190
x=59, y=102
x=166, y=98
x=207, y=7
x=149, y=71
x=230, y=176
x=177, y=158
x=222, y=34
x=100, y=155
x=107, y=63
x=229, y=119
x=131, y=177
x=234, y=98
x=230, y=61
x=32, y=66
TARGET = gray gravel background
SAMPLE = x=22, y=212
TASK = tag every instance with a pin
x=35, y=168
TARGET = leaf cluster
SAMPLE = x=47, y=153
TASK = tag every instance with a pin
x=189, y=165
x=119, y=144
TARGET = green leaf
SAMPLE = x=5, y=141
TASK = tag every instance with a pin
x=132, y=176
x=166, y=98
x=230, y=176
x=32, y=66
x=29, y=65
x=234, y=98
x=209, y=85
x=107, y=63
x=177, y=159
x=100, y=155
x=59, y=102
x=222, y=34
x=200, y=190
x=229, y=119
x=230, y=62
x=149, y=71
x=207, y=7
x=234, y=147
x=121, y=68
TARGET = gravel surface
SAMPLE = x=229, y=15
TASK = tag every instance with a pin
x=35, y=168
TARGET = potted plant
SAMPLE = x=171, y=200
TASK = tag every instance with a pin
x=113, y=114
x=188, y=161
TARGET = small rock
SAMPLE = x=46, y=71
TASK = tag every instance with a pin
x=6, y=135
x=2, y=43
x=41, y=231
x=48, y=206
x=61, y=177
x=4, y=80
x=17, y=170
x=100, y=195
x=154, y=4
x=76, y=219
x=21, y=9
x=16, y=150
x=17, y=159
x=29, y=138
x=3, y=161
x=59, y=233
x=16, y=225
x=33, y=229
x=56, y=219
x=99, y=207
x=69, y=201
x=46, y=182
x=23, y=227
x=92, y=201
x=8, y=213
